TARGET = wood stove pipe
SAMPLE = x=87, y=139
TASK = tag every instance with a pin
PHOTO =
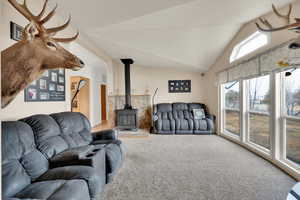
x=127, y=62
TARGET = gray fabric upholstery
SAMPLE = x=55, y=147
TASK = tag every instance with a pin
x=165, y=123
x=113, y=160
x=105, y=135
x=21, y=161
x=94, y=180
x=53, y=190
x=62, y=141
x=180, y=117
x=202, y=126
x=184, y=123
x=23, y=165
x=75, y=128
x=47, y=134
x=74, y=131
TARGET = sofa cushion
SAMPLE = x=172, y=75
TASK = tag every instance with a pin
x=75, y=128
x=95, y=178
x=200, y=124
x=57, y=189
x=47, y=134
x=180, y=106
x=21, y=161
x=182, y=117
x=164, y=107
x=164, y=122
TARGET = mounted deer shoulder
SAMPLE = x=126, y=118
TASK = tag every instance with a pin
x=37, y=52
x=288, y=25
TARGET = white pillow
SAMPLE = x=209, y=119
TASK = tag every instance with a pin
x=199, y=113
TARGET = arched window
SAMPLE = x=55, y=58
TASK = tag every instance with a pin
x=250, y=44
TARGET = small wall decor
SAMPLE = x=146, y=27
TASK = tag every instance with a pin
x=180, y=86
x=15, y=31
x=50, y=87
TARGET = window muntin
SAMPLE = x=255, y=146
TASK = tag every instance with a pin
x=232, y=107
x=292, y=116
x=259, y=103
x=250, y=44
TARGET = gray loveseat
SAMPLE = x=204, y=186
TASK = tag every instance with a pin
x=178, y=118
x=55, y=157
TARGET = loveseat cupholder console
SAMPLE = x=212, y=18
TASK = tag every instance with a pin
x=89, y=158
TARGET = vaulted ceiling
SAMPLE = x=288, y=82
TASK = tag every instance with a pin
x=164, y=33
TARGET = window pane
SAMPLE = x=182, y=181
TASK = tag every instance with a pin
x=232, y=95
x=232, y=107
x=259, y=130
x=292, y=101
x=293, y=140
x=292, y=94
x=259, y=105
x=250, y=44
x=232, y=122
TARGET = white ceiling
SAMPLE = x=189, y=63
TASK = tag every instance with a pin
x=187, y=34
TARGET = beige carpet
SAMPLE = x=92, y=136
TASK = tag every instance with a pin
x=195, y=168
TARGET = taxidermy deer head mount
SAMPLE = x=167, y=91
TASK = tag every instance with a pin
x=37, y=52
x=288, y=25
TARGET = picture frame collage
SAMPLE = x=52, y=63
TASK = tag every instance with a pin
x=180, y=86
x=50, y=87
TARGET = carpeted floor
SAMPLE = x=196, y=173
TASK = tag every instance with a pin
x=195, y=168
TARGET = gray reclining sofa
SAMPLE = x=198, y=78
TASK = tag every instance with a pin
x=178, y=118
x=56, y=157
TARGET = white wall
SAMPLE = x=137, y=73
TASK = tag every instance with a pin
x=95, y=68
x=144, y=80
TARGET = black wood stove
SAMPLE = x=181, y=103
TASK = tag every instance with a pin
x=127, y=118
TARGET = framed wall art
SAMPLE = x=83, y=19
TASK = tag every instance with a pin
x=50, y=87
x=16, y=31
x=180, y=86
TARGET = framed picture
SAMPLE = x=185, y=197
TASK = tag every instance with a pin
x=180, y=86
x=53, y=76
x=16, y=31
x=43, y=84
x=50, y=87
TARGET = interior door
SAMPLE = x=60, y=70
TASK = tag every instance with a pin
x=103, y=103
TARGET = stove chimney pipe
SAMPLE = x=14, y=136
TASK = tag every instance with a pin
x=127, y=62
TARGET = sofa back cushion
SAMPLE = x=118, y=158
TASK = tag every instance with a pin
x=164, y=116
x=181, y=111
x=75, y=128
x=47, y=134
x=21, y=161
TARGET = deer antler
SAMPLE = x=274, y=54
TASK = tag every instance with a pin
x=293, y=26
x=67, y=40
x=39, y=20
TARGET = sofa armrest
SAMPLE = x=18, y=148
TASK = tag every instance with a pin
x=212, y=117
x=210, y=125
x=104, y=142
x=109, y=134
x=95, y=177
